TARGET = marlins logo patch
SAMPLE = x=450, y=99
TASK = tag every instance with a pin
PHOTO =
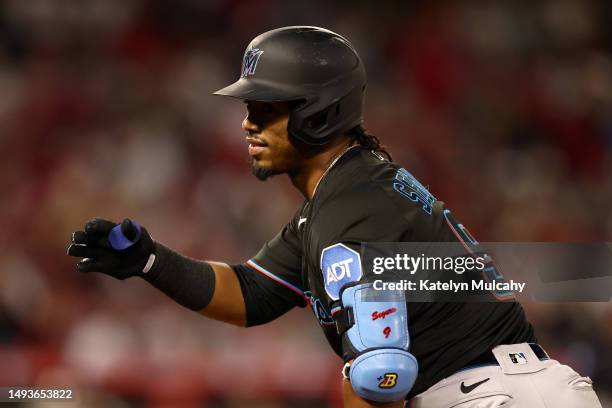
x=250, y=60
x=339, y=265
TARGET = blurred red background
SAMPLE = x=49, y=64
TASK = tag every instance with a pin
x=504, y=109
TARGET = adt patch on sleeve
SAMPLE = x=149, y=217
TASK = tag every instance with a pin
x=339, y=265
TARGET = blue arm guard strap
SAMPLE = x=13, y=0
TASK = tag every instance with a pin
x=374, y=326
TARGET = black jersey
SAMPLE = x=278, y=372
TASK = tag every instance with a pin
x=364, y=198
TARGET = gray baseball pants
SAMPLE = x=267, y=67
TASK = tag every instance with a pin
x=521, y=380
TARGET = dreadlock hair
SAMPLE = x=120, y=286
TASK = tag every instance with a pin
x=368, y=141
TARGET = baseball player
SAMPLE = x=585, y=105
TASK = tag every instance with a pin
x=304, y=92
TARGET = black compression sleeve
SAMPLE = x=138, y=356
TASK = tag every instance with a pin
x=187, y=281
x=265, y=299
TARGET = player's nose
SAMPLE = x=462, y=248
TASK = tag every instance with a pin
x=249, y=126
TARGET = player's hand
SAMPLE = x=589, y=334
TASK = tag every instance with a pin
x=119, y=250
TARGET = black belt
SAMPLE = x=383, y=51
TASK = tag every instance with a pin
x=488, y=358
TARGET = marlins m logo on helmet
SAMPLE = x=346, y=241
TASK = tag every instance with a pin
x=249, y=63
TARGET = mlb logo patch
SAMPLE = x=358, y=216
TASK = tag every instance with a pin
x=339, y=265
x=518, y=358
x=250, y=60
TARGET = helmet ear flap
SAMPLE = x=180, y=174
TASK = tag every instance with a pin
x=308, y=123
x=317, y=120
x=316, y=125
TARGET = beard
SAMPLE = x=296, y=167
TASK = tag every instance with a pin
x=261, y=173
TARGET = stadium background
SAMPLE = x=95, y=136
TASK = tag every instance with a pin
x=503, y=108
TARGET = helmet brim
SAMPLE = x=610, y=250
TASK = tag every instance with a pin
x=250, y=89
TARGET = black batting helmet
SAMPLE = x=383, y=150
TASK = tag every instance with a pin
x=312, y=65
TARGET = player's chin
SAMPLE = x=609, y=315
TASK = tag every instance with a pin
x=261, y=170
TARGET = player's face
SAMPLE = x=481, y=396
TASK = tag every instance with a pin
x=271, y=149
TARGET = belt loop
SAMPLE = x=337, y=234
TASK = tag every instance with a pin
x=539, y=351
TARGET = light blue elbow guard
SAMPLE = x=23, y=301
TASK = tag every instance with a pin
x=374, y=326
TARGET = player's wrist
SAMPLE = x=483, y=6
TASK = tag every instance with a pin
x=187, y=281
x=155, y=263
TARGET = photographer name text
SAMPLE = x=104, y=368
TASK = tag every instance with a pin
x=449, y=286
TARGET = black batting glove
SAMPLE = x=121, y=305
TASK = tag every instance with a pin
x=119, y=250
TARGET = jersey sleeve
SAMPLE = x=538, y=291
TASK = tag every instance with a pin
x=276, y=268
x=263, y=300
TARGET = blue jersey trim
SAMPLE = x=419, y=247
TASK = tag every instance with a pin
x=283, y=282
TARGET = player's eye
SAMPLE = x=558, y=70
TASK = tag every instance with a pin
x=261, y=108
x=267, y=108
x=263, y=113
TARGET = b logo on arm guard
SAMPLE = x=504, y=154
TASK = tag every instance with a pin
x=339, y=265
x=388, y=381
